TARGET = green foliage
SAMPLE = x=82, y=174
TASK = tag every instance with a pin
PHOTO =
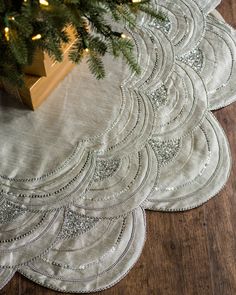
x=95, y=65
x=92, y=21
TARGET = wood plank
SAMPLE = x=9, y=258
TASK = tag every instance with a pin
x=221, y=211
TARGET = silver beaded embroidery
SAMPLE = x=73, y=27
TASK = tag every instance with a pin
x=194, y=59
x=9, y=212
x=158, y=97
x=76, y=224
x=105, y=169
x=162, y=24
x=165, y=150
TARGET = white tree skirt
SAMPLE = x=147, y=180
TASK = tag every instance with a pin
x=77, y=174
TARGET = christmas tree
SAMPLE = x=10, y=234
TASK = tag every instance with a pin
x=26, y=25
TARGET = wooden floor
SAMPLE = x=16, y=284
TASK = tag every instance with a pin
x=192, y=253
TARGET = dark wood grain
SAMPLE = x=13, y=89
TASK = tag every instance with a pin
x=191, y=253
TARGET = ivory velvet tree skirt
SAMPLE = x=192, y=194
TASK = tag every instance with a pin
x=77, y=175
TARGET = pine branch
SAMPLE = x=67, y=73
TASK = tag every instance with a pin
x=96, y=65
x=20, y=21
x=124, y=47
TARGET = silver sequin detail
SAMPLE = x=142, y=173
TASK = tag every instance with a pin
x=76, y=224
x=158, y=97
x=194, y=59
x=165, y=150
x=164, y=25
x=9, y=212
x=105, y=169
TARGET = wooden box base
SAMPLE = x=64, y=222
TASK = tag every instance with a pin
x=42, y=77
x=37, y=89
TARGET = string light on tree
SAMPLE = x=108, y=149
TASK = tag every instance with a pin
x=44, y=2
x=123, y=36
x=136, y=1
x=36, y=37
x=7, y=35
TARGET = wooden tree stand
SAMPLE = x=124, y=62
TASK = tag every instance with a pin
x=41, y=77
